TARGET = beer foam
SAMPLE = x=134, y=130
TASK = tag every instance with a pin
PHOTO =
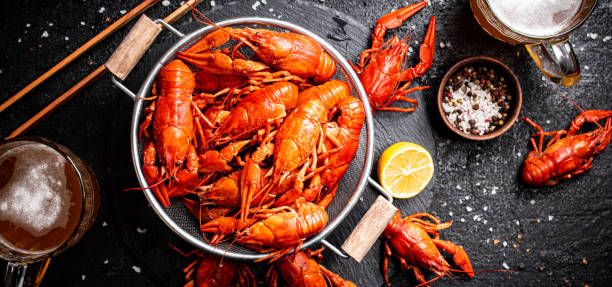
x=535, y=17
x=36, y=197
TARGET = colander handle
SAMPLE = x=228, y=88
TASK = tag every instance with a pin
x=371, y=225
x=133, y=47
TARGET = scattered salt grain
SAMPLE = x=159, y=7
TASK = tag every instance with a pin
x=469, y=209
x=518, y=222
x=66, y=38
x=592, y=35
x=484, y=221
x=122, y=12
x=19, y=40
x=166, y=3
x=106, y=261
x=532, y=202
x=506, y=265
x=101, y=10
x=212, y=3
x=548, y=121
x=607, y=38
x=505, y=244
x=265, y=2
x=490, y=229
x=255, y=5
x=458, y=187
x=82, y=23
x=83, y=277
x=136, y=269
x=141, y=230
x=45, y=34
x=442, y=44
x=478, y=184
x=485, y=208
x=467, y=197
x=104, y=224
x=462, y=219
x=488, y=240
x=443, y=204
x=28, y=25
x=410, y=49
x=476, y=217
x=271, y=10
x=50, y=24
x=550, y=218
x=586, y=67
x=450, y=213
x=182, y=3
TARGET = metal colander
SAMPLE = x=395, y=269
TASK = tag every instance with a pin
x=178, y=218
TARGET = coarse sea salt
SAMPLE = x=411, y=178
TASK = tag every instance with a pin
x=465, y=111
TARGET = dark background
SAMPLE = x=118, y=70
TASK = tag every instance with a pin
x=553, y=236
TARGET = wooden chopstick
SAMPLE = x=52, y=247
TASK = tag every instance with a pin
x=81, y=50
x=96, y=74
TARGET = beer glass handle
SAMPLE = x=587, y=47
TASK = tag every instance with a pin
x=561, y=66
x=25, y=275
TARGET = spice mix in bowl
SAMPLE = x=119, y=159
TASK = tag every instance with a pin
x=479, y=98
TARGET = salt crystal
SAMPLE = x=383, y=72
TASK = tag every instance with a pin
x=462, y=220
x=101, y=10
x=550, y=217
x=592, y=35
x=458, y=187
x=212, y=3
x=518, y=154
x=518, y=223
x=255, y=5
x=548, y=121
x=141, y=230
x=410, y=50
x=476, y=217
x=607, y=38
x=543, y=78
x=490, y=229
x=450, y=213
x=264, y=2
x=460, y=201
x=485, y=208
x=478, y=184
x=19, y=40
x=122, y=12
x=467, y=197
x=106, y=261
x=28, y=25
x=442, y=44
x=532, y=202
x=166, y=3
x=448, y=44
x=488, y=240
x=50, y=24
x=469, y=209
x=443, y=204
x=505, y=244
x=136, y=269
x=271, y=10
x=104, y=224
x=45, y=34
x=83, y=277
x=506, y=265
x=586, y=67
x=484, y=221
x=518, y=53
x=66, y=38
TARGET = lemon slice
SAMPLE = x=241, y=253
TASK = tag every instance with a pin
x=405, y=169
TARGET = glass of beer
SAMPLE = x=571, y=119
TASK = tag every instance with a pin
x=543, y=26
x=49, y=198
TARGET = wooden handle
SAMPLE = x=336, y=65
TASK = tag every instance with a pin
x=131, y=49
x=369, y=228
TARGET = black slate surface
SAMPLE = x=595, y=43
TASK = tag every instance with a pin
x=554, y=236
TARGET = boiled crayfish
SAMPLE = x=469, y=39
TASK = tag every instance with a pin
x=381, y=68
x=301, y=269
x=408, y=239
x=568, y=156
x=211, y=271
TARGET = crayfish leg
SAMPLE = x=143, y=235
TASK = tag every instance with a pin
x=393, y=20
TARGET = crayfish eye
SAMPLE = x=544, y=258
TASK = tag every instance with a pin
x=178, y=163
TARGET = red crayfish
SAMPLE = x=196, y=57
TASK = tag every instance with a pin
x=408, y=239
x=211, y=271
x=381, y=68
x=568, y=156
x=300, y=269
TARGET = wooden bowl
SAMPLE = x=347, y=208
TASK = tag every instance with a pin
x=513, y=85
